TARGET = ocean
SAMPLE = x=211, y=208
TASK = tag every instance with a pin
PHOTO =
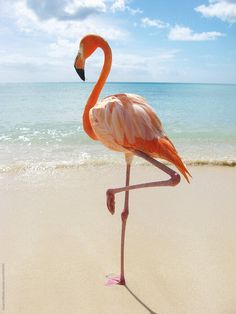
x=40, y=123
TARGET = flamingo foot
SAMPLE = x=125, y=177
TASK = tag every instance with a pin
x=111, y=201
x=115, y=280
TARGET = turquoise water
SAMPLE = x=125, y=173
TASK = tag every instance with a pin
x=40, y=123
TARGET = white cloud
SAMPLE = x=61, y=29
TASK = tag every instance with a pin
x=91, y=6
x=222, y=9
x=118, y=5
x=186, y=34
x=121, y=5
x=67, y=19
x=134, y=11
x=146, y=22
x=25, y=18
x=66, y=9
x=28, y=21
x=74, y=9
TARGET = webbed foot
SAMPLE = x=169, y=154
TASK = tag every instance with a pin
x=111, y=201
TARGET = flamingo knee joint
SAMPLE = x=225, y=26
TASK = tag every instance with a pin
x=175, y=179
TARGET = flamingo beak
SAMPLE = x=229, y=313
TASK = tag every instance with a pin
x=79, y=66
x=80, y=72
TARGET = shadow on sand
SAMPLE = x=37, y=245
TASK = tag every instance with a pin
x=140, y=301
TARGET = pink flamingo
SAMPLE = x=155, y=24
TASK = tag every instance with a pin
x=125, y=123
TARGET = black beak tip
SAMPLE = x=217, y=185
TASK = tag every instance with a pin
x=80, y=72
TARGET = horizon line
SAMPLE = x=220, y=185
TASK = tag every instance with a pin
x=116, y=82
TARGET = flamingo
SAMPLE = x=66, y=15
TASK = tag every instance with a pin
x=125, y=123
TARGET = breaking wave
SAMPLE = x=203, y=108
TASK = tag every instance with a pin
x=21, y=167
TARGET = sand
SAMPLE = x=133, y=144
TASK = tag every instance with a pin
x=58, y=242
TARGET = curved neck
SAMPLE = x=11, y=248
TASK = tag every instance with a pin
x=92, y=100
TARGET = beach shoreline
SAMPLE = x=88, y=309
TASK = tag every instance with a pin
x=58, y=242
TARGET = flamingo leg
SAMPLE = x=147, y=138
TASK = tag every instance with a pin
x=172, y=181
x=120, y=280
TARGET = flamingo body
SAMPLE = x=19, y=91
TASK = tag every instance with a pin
x=125, y=122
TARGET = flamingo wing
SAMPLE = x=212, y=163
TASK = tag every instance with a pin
x=125, y=122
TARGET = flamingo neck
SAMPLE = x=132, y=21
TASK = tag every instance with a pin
x=92, y=100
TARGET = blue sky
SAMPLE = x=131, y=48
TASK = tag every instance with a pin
x=154, y=40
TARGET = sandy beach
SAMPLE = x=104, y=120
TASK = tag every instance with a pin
x=58, y=243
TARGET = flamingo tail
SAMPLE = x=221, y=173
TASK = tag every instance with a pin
x=167, y=151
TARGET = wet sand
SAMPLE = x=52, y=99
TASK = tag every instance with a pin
x=58, y=242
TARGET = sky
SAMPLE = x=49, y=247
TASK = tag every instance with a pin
x=191, y=41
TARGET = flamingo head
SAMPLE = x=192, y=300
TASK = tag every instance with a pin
x=88, y=45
